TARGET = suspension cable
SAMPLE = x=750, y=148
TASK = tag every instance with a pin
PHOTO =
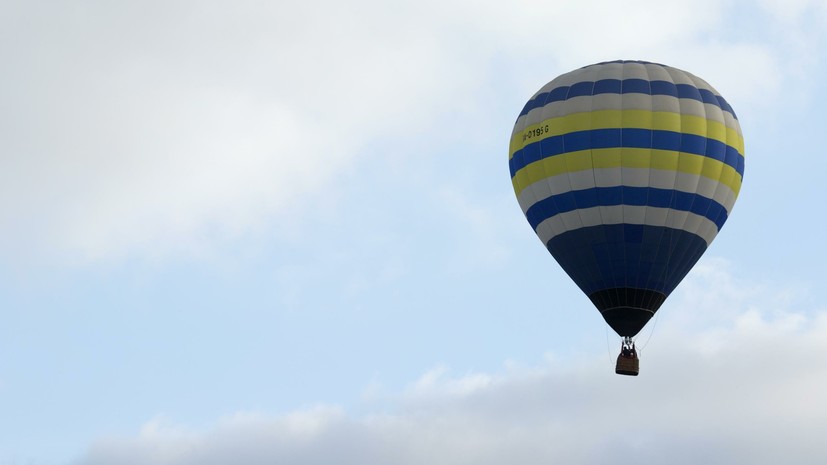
x=651, y=332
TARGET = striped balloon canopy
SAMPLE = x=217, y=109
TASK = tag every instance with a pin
x=627, y=170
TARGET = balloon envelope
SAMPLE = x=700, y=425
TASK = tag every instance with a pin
x=626, y=171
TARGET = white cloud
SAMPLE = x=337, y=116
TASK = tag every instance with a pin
x=154, y=130
x=743, y=388
x=167, y=127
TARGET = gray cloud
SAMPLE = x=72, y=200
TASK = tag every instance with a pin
x=744, y=386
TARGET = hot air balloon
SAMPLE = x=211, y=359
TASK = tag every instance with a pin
x=627, y=170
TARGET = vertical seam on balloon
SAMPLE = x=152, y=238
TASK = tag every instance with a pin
x=600, y=208
x=647, y=303
x=635, y=284
x=718, y=184
x=676, y=258
x=648, y=283
x=738, y=145
x=543, y=111
x=679, y=257
x=585, y=271
x=623, y=223
x=669, y=210
x=686, y=256
x=714, y=195
x=594, y=276
x=615, y=289
x=604, y=227
x=547, y=180
x=531, y=192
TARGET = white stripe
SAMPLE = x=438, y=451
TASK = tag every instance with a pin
x=678, y=76
x=581, y=180
x=657, y=215
x=607, y=177
x=635, y=71
x=708, y=229
x=637, y=102
x=664, y=179
x=636, y=177
x=693, y=222
x=611, y=215
x=634, y=214
x=591, y=216
x=657, y=72
x=727, y=197
x=687, y=183
x=649, y=216
x=572, y=222
x=667, y=103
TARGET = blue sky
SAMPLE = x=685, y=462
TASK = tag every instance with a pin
x=273, y=233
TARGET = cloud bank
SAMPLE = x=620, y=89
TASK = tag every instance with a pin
x=159, y=128
x=736, y=377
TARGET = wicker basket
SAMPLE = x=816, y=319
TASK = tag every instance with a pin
x=627, y=366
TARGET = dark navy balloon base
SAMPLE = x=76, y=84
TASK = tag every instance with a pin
x=627, y=270
x=627, y=310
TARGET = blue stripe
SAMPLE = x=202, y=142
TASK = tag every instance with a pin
x=626, y=137
x=627, y=255
x=626, y=195
x=626, y=86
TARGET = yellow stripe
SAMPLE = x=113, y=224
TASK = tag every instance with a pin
x=627, y=158
x=642, y=119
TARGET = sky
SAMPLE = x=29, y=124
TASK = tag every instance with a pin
x=269, y=232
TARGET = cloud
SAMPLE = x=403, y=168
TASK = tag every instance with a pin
x=170, y=127
x=163, y=127
x=741, y=383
